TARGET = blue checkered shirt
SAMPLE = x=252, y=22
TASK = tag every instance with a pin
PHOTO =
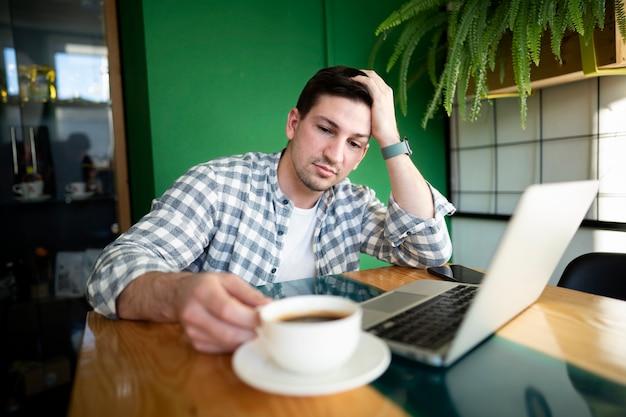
x=230, y=215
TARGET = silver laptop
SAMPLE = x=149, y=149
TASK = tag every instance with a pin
x=545, y=220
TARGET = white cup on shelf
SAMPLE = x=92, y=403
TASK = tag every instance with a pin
x=76, y=188
x=32, y=189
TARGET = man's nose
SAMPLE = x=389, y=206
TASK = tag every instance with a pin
x=334, y=150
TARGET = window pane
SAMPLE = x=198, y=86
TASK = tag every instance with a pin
x=476, y=169
x=518, y=166
x=612, y=169
x=83, y=77
x=568, y=159
x=475, y=202
x=506, y=203
x=612, y=208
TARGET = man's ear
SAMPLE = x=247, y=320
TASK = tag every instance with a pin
x=293, y=118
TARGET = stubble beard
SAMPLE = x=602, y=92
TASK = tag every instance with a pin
x=310, y=180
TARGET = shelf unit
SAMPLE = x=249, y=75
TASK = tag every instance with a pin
x=38, y=324
x=605, y=55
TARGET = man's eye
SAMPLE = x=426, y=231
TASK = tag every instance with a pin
x=355, y=144
x=324, y=129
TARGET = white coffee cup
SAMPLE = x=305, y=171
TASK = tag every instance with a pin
x=32, y=189
x=76, y=188
x=306, y=346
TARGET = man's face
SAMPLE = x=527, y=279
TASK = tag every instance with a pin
x=329, y=142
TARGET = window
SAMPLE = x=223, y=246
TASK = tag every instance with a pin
x=10, y=63
x=81, y=73
x=82, y=76
x=575, y=131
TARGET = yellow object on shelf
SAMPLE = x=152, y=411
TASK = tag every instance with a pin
x=37, y=82
x=590, y=63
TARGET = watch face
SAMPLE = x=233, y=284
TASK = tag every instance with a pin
x=409, y=151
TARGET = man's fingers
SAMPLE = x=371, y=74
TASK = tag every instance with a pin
x=244, y=292
x=219, y=311
x=212, y=335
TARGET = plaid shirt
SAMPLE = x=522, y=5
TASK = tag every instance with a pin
x=230, y=215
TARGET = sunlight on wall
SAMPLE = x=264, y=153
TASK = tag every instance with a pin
x=612, y=170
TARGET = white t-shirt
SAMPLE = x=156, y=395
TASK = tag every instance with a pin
x=297, y=259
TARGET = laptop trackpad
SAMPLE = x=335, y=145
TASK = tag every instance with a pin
x=393, y=301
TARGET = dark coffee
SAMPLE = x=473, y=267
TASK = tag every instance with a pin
x=313, y=316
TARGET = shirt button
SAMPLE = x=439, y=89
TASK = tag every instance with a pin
x=280, y=233
x=285, y=201
x=273, y=270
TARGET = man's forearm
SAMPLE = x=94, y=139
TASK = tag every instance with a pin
x=150, y=296
x=409, y=188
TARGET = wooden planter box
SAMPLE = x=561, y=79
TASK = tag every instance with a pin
x=578, y=59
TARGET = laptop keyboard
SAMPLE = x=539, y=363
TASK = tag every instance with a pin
x=431, y=324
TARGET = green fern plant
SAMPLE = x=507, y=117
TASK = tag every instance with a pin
x=464, y=43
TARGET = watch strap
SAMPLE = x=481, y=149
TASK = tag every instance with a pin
x=396, y=149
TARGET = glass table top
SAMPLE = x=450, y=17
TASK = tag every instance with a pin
x=498, y=378
x=501, y=378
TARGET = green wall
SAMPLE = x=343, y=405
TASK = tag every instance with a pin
x=206, y=78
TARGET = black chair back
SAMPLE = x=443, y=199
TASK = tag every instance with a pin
x=599, y=273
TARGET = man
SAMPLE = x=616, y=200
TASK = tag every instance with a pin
x=259, y=218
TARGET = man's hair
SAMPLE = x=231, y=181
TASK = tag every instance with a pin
x=334, y=81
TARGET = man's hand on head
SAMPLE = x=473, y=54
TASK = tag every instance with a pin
x=384, y=126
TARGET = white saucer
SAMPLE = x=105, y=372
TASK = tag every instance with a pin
x=37, y=199
x=256, y=369
x=81, y=196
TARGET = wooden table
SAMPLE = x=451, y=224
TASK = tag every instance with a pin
x=129, y=368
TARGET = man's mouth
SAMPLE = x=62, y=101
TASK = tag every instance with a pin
x=324, y=170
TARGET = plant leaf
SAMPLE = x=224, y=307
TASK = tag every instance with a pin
x=455, y=56
x=433, y=104
x=521, y=57
x=494, y=29
x=406, y=12
x=575, y=12
x=620, y=15
x=414, y=31
x=534, y=32
x=473, y=32
x=436, y=54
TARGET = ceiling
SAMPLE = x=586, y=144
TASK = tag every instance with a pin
x=64, y=16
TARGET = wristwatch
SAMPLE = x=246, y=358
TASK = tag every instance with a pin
x=397, y=149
